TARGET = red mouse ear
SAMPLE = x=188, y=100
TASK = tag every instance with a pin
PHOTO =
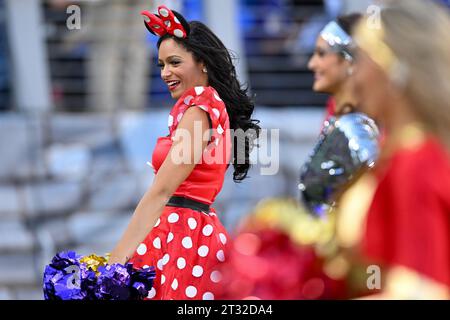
x=183, y=22
x=172, y=24
x=154, y=24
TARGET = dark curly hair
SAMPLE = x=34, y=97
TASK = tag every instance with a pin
x=207, y=48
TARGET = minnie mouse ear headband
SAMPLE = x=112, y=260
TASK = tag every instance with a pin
x=166, y=22
x=339, y=40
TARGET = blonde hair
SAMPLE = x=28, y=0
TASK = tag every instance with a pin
x=418, y=33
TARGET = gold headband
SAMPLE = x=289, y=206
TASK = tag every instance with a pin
x=371, y=40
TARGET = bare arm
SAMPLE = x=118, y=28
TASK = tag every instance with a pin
x=169, y=177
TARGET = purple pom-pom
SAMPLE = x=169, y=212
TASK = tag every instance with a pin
x=113, y=283
x=141, y=281
x=63, y=278
x=89, y=282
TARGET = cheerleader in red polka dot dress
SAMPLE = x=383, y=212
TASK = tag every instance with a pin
x=186, y=245
x=174, y=227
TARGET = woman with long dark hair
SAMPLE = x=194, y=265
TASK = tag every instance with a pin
x=173, y=227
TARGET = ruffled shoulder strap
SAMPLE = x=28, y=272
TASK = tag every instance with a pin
x=207, y=99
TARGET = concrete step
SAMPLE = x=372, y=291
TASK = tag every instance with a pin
x=15, y=238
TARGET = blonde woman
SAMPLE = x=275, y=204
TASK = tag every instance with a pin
x=402, y=76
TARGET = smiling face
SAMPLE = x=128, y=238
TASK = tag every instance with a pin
x=179, y=70
x=330, y=69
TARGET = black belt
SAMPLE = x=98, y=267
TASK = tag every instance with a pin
x=183, y=202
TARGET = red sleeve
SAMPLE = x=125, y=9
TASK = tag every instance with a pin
x=207, y=99
x=408, y=223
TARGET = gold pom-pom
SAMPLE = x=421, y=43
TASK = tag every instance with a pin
x=94, y=262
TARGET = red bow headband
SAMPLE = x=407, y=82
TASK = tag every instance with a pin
x=167, y=21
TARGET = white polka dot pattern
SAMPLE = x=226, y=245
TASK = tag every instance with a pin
x=165, y=259
x=192, y=223
x=187, y=242
x=187, y=100
x=220, y=129
x=173, y=217
x=220, y=256
x=169, y=237
x=208, y=296
x=174, y=284
x=163, y=12
x=178, y=33
x=142, y=249
x=191, y=291
x=181, y=263
x=203, y=251
x=151, y=293
x=216, y=276
x=223, y=238
x=197, y=271
x=157, y=243
x=207, y=230
x=216, y=112
x=199, y=90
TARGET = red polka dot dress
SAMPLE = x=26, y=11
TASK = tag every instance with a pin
x=187, y=247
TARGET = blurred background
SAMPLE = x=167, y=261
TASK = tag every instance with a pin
x=82, y=103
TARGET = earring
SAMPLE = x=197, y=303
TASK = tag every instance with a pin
x=204, y=70
x=349, y=71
